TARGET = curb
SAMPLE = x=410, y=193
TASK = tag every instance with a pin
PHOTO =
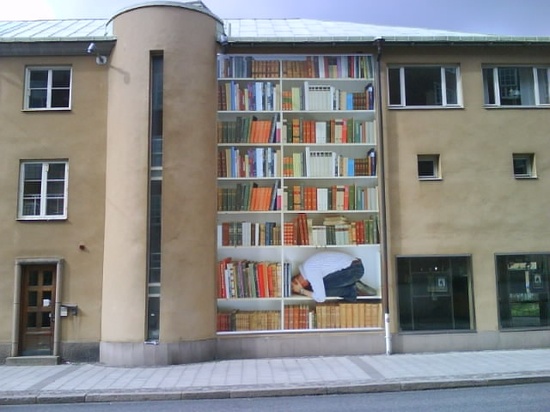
x=61, y=397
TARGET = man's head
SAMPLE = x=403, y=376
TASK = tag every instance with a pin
x=301, y=281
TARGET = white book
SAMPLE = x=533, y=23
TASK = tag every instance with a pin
x=322, y=198
x=320, y=132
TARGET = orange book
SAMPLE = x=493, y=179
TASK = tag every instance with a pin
x=266, y=198
x=253, y=199
x=289, y=236
x=304, y=236
x=260, y=279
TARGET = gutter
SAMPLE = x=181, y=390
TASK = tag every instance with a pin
x=379, y=43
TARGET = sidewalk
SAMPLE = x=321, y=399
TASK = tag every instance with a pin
x=70, y=383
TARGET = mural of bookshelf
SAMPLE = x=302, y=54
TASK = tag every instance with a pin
x=297, y=174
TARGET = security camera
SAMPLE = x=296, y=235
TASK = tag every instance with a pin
x=91, y=48
x=223, y=39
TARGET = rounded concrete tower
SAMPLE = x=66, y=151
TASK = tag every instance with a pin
x=182, y=36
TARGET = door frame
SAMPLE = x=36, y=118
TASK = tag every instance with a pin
x=19, y=263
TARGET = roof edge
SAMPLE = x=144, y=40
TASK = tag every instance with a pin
x=193, y=5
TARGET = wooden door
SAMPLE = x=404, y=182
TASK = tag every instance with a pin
x=36, y=326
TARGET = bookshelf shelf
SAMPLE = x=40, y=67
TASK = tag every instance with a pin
x=296, y=154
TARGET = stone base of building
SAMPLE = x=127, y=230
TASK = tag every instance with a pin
x=291, y=345
x=70, y=352
x=79, y=351
x=5, y=349
x=300, y=344
x=156, y=354
x=470, y=341
x=242, y=347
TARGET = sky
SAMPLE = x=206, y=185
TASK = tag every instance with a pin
x=503, y=17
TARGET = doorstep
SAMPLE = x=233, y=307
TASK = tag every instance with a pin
x=32, y=360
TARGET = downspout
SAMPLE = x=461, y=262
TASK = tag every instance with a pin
x=379, y=42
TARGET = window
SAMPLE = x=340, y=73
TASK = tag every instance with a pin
x=48, y=88
x=155, y=198
x=523, y=290
x=419, y=86
x=516, y=86
x=43, y=190
x=524, y=165
x=435, y=293
x=428, y=167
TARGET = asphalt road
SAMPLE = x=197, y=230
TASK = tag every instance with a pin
x=532, y=398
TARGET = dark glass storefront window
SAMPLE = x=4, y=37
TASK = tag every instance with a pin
x=435, y=293
x=523, y=290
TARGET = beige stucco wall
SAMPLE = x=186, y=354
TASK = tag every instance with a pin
x=478, y=208
x=79, y=136
x=187, y=40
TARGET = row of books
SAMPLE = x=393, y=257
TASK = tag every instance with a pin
x=260, y=162
x=335, y=197
x=249, y=129
x=250, y=197
x=334, y=230
x=355, y=67
x=251, y=96
x=249, y=234
x=339, y=131
x=257, y=320
x=322, y=98
x=249, y=162
x=248, y=67
x=333, y=315
x=249, y=279
x=327, y=163
x=268, y=96
x=348, y=315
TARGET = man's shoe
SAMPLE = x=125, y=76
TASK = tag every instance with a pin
x=364, y=289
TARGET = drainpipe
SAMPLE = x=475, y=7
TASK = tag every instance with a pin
x=379, y=42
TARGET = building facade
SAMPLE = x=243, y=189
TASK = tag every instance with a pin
x=111, y=179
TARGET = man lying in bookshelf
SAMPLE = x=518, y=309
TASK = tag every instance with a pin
x=331, y=273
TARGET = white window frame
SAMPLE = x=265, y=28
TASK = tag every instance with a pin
x=43, y=196
x=49, y=87
x=436, y=166
x=496, y=85
x=442, y=68
x=529, y=159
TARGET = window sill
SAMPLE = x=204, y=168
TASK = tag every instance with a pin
x=436, y=331
x=430, y=179
x=42, y=219
x=456, y=107
x=46, y=109
x=519, y=177
x=492, y=107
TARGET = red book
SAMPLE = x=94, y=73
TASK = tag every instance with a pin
x=222, y=286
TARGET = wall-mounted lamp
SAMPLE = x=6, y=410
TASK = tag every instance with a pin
x=99, y=59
